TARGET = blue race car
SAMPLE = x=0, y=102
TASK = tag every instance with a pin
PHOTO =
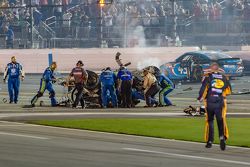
x=192, y=65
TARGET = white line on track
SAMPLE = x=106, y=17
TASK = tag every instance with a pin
x=23, y=135
x=188, y=156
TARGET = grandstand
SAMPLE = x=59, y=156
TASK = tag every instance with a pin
x=124, y=23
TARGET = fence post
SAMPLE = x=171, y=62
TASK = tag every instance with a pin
x=50, y=58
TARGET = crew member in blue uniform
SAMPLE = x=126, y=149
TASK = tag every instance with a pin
x=108, y=81
x=46, y=83
x=167, y=86
x=215, y=87
x=14, y=70
x=125, y=80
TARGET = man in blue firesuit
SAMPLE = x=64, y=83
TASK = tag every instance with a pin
x=108, y=80
x=14, y=70
x=46, y=83
x=167, y=86
x=125, y=80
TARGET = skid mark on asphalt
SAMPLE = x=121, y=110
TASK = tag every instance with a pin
x=188, y=156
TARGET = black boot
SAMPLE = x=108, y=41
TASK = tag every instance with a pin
x=222, y=144
x=209, y=144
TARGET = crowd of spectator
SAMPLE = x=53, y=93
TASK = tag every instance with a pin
x=221, y=10
x=83, y=18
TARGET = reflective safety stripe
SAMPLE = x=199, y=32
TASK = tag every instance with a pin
x=224, y=112
x=162, y=102
x=43, y=86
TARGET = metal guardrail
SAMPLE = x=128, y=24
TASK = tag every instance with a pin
x=50, y=21
x=48, y=29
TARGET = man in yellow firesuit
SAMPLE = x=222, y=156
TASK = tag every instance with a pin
x=215, y=87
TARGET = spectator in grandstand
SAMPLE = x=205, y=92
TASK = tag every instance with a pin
x=217, y=11
x=162, y=15
x=108, y=22
x=58, y=11
x=197, y=11
x=37, y=15
x=246, y=17
x=85, y=24
x=65, y=3
x=66, y=23
x=135, y=18
x=229, y=10
x=9, y=37
x=146, y=19
x=238, y=8
x=75, y=23
x=2, y=19
x=211, y=12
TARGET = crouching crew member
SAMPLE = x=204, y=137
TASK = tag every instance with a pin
x=81, y=78
x=46, y=83
x=215, y=87
x=125, y=80
x=14, y=70
x=108, y=80
x=167, y=86
x=151, y=88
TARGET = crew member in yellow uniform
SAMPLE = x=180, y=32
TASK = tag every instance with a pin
x=215, y=87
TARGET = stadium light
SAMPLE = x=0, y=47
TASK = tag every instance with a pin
x=102, y=3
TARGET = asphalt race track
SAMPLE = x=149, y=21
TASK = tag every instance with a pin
x=25, y=145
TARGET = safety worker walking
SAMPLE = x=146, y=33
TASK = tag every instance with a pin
x=125, y=80
x=215, y=87
x=14, y=70
x=46, y=83
x=151, y=87
x=108, y=81
x=81, y=78
x=167, y=86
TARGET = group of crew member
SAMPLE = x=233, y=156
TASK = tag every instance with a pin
x=112, y=85
x=124, y=81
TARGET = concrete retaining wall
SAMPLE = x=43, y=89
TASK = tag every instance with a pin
x=36, y=60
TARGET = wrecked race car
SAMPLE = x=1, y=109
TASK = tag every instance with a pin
x=192, y=65
x=92, y=90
